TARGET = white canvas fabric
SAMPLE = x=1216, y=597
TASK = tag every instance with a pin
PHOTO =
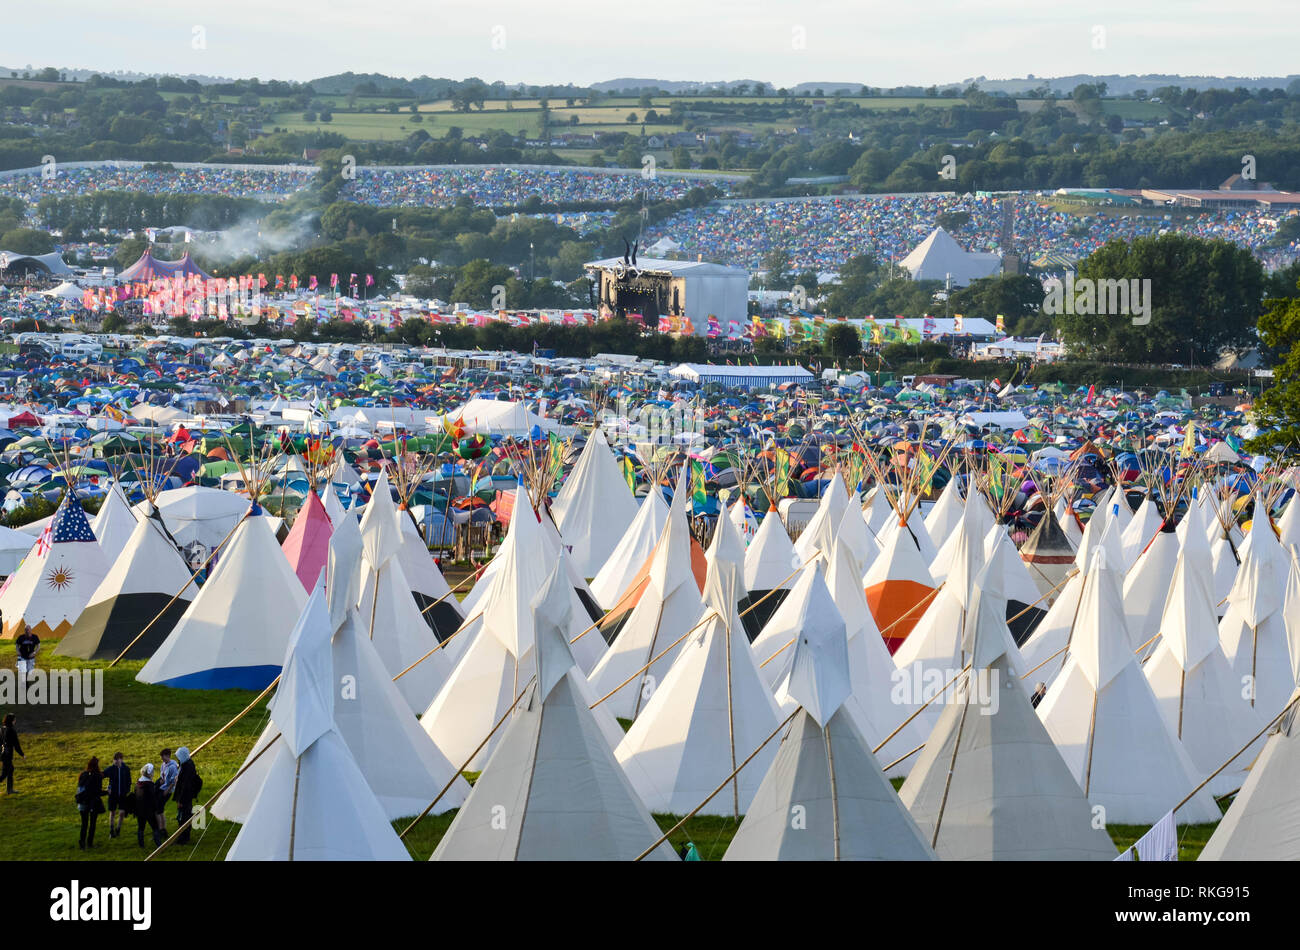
x=1069, y=524
x=1145, y=588
x=770, y=557
x=312, y=777
x=1141, y=530
x=241, y=617
x=496, y=655
x=638, y=541
x=552, y=790
x=1106, y=721
x=824, y=798
x=1201, y=700
x=990, y=784
x=594, y=507
x=878, y=511
x=819, y=534
x=708, y=713
x=1263, y=823
x=944, y=517
x=1253, y=630
x=113, y=523
x=668, y=607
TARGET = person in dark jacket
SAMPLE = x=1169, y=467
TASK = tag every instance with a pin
x=90, y=801
x=146, y=807
x=118, y=776
x=26, y=647
x=9, y=747
x=187, y=789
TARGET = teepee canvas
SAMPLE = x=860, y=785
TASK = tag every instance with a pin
x=594, y=507
x=142, y=597
x=55, y=581
x=990, y=784
x=824, y=796
x=552, y=789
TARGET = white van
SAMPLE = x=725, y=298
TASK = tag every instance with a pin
x=81, y=349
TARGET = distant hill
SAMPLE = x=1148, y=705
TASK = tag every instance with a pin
x=1126, y=85
x=431, y=87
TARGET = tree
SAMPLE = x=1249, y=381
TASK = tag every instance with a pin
x=27, y=241
x=843, y=341
x=1277, y=410
x=1203, y=296
x=1017, y=297
x=681, y=157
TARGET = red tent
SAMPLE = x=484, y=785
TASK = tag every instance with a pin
x=149, y=268
x=24, y=420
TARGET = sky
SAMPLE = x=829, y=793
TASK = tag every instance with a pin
x=783, y=42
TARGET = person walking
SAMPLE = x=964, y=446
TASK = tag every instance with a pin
x=146, y=810
x=170, y=770
x=118, y=776
x=27, y=646
x=9, y=746
x=188, y=786
x=90, y=801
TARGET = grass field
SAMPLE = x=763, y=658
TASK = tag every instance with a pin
x=40, y=820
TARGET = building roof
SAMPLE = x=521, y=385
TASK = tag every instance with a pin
x=766, y=375
x=658, y=265
x=52, y=262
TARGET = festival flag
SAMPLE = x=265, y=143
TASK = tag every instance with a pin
x=370, y=280
x=1001, y=324
x=699, y=495
x=782, y=472
x=1189, y=443
x=629, y=473
x=958, y=323
x=311, y=284
x=334, y=280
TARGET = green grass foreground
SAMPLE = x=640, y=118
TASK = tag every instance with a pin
x=41, y=823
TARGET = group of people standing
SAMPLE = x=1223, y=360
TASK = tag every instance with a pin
x=146, y=797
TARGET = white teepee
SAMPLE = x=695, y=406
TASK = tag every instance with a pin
x=1103, y=716
x=594, y=507
x=312, y=781
x=552, y=790
x=824, y=796
x=990, y=784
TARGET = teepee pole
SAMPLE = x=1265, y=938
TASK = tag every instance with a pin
x=952, y=765
x=691, y=814
x=903, y=725
x=455, y=775
x=707, y=618
x=208, y=804
x=207, y=560
x=835, y=796
x=463, y=582
x=293, y=813
x=1272, y=722
x=244, y=712
x=1092, y=744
